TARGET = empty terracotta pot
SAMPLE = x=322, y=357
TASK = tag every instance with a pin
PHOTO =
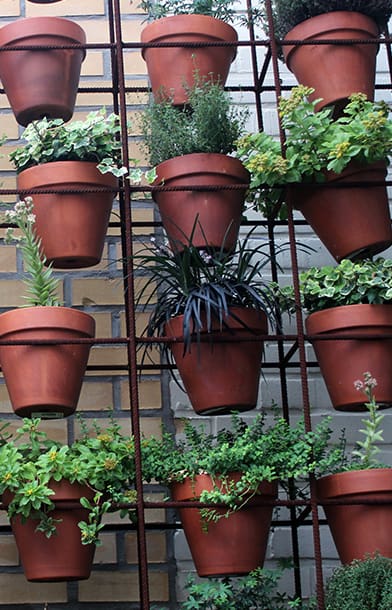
x=210, y=219
x=234, y=545
x=221, y=377
x=44, y=380
x=359, y=529
x=172, y=69
x=41, y=83
x=72, y=226
x=341, y=69
x=61, y=557
x=344, y=361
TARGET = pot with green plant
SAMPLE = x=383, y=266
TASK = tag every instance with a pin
x=352, y=303
x=359, y=525
x=42, y=374
x=213, y=310
x=78, y=165
x=201, y=26
x=191, y=148
x=41, y=82
x=56, y=494
x=238, y=470
x=343, y=67
x=339, y=165
x=362, y=585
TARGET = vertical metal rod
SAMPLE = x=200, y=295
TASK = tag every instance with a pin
x=126, y=216
x=253, y=52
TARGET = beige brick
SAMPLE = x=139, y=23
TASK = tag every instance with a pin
x=11, y=293
x=63, y=9
x=8, y=259
x=151, y=426
x=97, y=292
x=133, y=60
x=10, y=8
x=9, y=127
x=14, y=589
x=96, y=396
x=102, y=355
x=156, y=547
x=8, y=551
x=130, y=7
x=5, y=404
x=121, y=587
x=103, y=324
x=92, y=65
x=8, y=182
x=149, y=395
x=106, y=552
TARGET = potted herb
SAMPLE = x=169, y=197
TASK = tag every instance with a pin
x=213, y=309
x=361, y=585
x=172, y=69
x=41, y=82
x=338, y=155
x=342, y=69
x=191, y=147
x=78, y=163
x=52, y=372
x=238, y=467
x=360, y=526
x=57, y=494
x=353, y=298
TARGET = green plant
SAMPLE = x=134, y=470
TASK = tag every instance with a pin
x=96, y=139
x=195, y=282
x=361, y=585
x=288, y=13
x=220, y=9
x=209, y=124
x=102, y=459
x=348, y=283
x=42, y=287
x=258, y=451
x=314, y=144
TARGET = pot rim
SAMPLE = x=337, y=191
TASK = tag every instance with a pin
x=345, y=317
x=72, y=172
x=42, y=26
x=36, y=317
x=189, y=488
x=204, y=26
x=352, y=482
x=256, y=314
x=201, y=163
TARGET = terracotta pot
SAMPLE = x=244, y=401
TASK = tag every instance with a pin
x=172, y=69
x=332, y=209
x=343, y=362
x=62, y=556
x=72, y=226
x=359, y=529
x=342, y=69
x=44, y=380
x=221, y=377
x=210, y=218
x=41, y=83
x=232, y=546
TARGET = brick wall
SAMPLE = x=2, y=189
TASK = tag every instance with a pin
x=99, y=291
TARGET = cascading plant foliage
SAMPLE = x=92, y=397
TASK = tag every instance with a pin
x=220, y=9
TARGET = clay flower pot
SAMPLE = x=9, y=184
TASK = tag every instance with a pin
x=172, y=69
x=62, y=556
x=330, y=210
x=211, y=218
x=359, y=529
x=41, y=83
x=44, y=380
x=72, y=226
x=232, y=546
x=342, y=69
x=344, y=361
x=221, y=377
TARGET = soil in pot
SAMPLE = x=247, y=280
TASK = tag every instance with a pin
x=72, y=225
x=344, y=361
x=61, y=557
x=41, y=83
x=359, y=529
x=44, y=380
x=342, y=69
x=222, y=376
x=232, y=546
x=209, y=219
x=172, y=70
